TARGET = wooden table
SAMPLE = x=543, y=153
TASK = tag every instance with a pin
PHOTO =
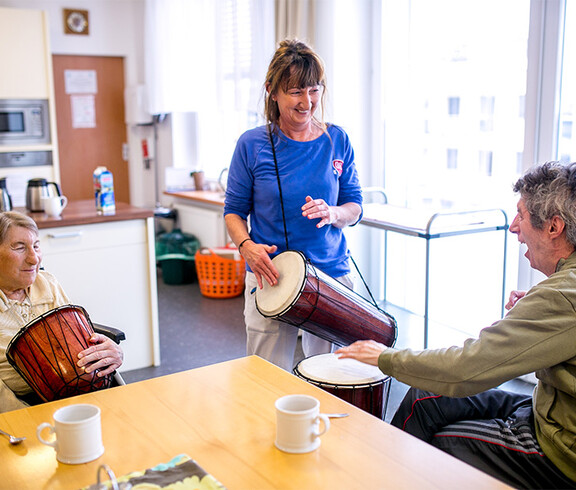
x=223, y=417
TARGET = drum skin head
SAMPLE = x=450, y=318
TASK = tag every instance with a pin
x=362, y=385
x=272, y=301
x=329, y=369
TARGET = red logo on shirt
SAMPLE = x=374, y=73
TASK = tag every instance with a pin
x=337, y=164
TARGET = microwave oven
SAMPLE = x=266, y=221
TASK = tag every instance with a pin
x=24, y=122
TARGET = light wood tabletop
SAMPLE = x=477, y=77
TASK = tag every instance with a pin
x=223, y=417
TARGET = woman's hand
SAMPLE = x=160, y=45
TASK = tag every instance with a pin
x=105, y=356
x=338, y=216
x=258, y=259
x=318, y=209
x=513, y=299
x=366, y=351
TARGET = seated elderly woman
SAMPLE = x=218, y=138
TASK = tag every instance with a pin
x=27, y=292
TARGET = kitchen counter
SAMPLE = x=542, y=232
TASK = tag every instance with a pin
x=207, y=197
x=84, y=212
x=201, y=213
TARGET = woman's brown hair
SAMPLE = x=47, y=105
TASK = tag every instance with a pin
x=294, y=64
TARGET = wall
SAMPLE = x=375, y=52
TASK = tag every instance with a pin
x=116, y=29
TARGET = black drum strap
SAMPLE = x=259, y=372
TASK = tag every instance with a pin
x=366, y=286
x=279, y=185
x=284, y=220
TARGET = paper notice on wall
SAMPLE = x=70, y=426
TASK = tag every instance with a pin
x=80, y=82
x=83, y=111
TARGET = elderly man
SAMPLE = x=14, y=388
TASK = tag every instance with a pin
x=527, y=442
x=26, y=293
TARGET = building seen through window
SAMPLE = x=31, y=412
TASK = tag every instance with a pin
x=453, y=128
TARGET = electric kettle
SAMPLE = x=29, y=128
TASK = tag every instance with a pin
x=37, y=189
x=5, y=200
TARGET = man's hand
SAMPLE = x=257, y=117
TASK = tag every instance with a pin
x=366, y=351
x=514, y=297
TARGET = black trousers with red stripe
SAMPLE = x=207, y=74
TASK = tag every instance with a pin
x=493, y=431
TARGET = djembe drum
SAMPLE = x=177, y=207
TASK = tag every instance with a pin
x=45, y=352
x=307, y=298
x=360, y=384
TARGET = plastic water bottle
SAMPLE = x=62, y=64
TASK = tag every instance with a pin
x=104, y=191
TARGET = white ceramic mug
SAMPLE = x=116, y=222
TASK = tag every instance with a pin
x=54, y=205
x=78, y=434
x=298, y=420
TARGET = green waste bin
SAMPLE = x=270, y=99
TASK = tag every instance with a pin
x=175, y=255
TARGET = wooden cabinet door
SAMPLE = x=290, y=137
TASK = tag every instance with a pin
x=82, y=149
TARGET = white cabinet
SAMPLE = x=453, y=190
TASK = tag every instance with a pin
x=204, y=222
x=26, y=73
x=109, y=269
x=24, y=57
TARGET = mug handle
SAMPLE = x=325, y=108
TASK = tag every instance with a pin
x=63, y=201
x=326, y=420
x=40, y=428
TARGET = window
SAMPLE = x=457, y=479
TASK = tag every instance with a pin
x=207, y=60
x=485, y=162
x=453, y=106
x=244, y=49
x=566, y=129
x=452, y=125
x=487, y=113
x=451, y=158
x=463, y=107
x=567, y=114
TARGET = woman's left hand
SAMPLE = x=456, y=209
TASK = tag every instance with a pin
x=318, y=209
x=105, y=355
x=338, y=216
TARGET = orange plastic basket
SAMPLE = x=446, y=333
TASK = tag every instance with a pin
x=220, y=277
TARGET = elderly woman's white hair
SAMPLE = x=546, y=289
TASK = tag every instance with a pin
x=14, y=218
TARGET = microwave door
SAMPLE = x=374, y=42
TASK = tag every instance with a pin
x=24, y=122
x=11, y=122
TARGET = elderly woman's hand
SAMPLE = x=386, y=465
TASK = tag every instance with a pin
x=366, y=351
x=105, y=356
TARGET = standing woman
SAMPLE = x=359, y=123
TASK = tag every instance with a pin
x=295, y=179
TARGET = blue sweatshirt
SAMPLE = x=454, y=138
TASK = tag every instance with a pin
x=323, y=168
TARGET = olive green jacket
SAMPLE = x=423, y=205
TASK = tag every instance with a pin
x=538, y=334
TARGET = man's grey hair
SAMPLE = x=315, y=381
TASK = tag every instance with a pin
x=549, y=190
